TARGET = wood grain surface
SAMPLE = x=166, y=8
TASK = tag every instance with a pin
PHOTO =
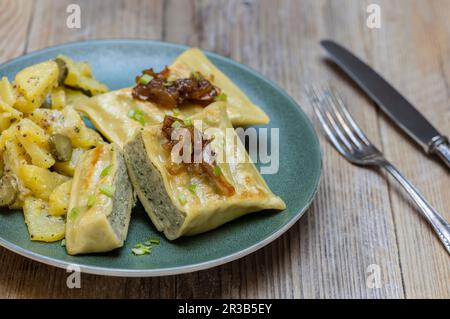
x=359, y=217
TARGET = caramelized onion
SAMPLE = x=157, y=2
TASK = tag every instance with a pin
x=171, y=94
x=207, y=163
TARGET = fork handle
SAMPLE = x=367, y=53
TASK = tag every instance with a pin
x=439, y=224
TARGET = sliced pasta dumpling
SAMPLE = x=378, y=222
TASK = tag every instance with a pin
x=100, y=202
x=241, y=110
x=190, y=197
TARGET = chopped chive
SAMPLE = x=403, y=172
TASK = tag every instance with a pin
x=91, y=201
x=107, y=190
x=131, y=113
x=138, y=245
x=137, y=116
x=188, y=122
x=141, y=250
x=73, y=212
x=176, y=124
x=140, y=118
x=106, y=170
x=192, y=188
x=154, y=241
x=182, y=199
x=63, y=243
x=221, y=97
x=145, y=79
x=217, y=171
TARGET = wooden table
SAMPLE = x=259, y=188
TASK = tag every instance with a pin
x=359, y=217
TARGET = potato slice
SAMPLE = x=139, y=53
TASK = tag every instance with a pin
x=67, y=122
x=39, y=180
x=34, y=83
x=29, y=130
x=41, y=225
x=14, y=156
x=5, y=121
x=59, y=199
x=35, y=141
x=39, y=155
x=58, y=99
x=68, y=168
x=8, y=135
x=80, y=135
x=23, y=104
x=7, y=92
x=7, y=108
x=79, y=76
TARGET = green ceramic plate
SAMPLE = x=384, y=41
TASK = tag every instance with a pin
x=116, y=62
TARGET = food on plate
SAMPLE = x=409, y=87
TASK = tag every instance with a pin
x=241, y=110
x=58, y=200
x=182, y=89
x=60, y=147
x=167, y=91
x=41, y=140
x=191, y=198
x=40, y=181
x=117, y=115
x=68, y=168
x=78, y=75
x=100, y=202
x=41, y=225
x=73, y=184
x=33, y=84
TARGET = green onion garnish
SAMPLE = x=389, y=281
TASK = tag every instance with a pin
x=107, y=190
x=176, y=111
x=192, y=188
x=217, y=171
x=63, y=243
x=73, y=212
x=137, y=116
x=221, y=97
x=176, y=124
x=145, y=79
x=91, y=201
x=131, y=113
x=144, y=250
x=188, y=122
x=106, y=170
x=182, y=199
x=140, y=118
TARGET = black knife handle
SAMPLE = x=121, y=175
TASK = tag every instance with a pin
x=440, y=147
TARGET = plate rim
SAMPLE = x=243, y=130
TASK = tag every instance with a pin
x=124, y=272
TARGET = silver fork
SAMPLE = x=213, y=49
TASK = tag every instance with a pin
x=352, y=143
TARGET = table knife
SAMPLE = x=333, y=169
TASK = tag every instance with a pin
x=397, y=107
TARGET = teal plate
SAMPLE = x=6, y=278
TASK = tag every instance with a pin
x=116, y=63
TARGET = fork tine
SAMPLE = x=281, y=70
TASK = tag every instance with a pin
x=340, y=118
x=346, y=114
x=333, y=134
x=326, y=106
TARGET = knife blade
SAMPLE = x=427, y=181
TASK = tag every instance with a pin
x=397, y=107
